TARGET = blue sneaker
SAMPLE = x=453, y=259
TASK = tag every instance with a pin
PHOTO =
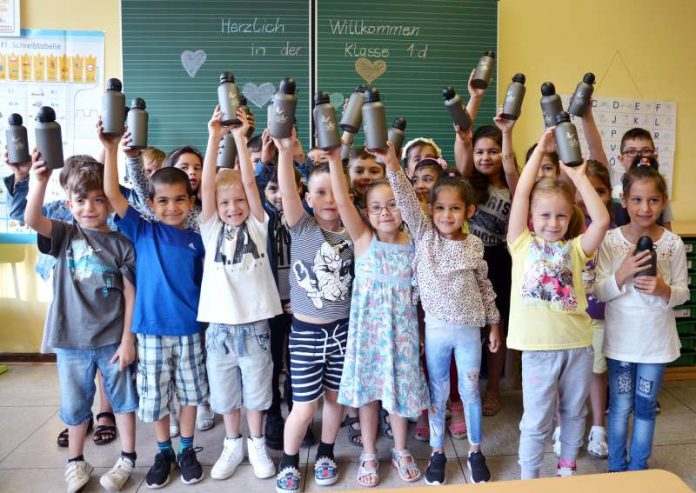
x=325, y=471
x=288, y=480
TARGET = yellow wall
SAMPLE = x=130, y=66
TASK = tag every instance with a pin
x=554, y=40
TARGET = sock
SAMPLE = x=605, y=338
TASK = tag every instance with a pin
x=184, y=443
x=79, y=458
x=325, y=450
x=289, y=461
x=570, y=464
x=166, y=447
x=232, y=438
x=131, y=456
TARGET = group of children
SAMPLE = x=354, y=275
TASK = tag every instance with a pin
x=350, y=283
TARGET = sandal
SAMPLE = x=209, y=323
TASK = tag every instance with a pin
x=365, y=471
x=63, y=440
x=104, y=434
x=354, y=434
x=385, y=423
x=457, y=428
x=422, y=431
x=404, y=468
x=491, y=405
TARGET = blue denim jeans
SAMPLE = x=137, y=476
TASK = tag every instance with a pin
x=633, y=388
x=441, y=338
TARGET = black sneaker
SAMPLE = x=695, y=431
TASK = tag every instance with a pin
x=309, y=438
x=435, y=472
x=478, y=468
x=191, y=469
x=158, y=475
x=275, y=426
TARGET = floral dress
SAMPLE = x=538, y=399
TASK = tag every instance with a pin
x=382, y=353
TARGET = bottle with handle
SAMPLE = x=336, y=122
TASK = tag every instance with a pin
x=281, y=115
x=227, y=151
x=580, y=100
x=17, y=140
x=551, y=104
x=512, y=107
x=646, y=243
x=49, y=140
x=396, y=134
x=137, y=124
x=374, y=121
x=325, y=122
x=228, y=99
x=456, y=107
x=113, y=108
x=567, y=140
x=484, y=71
x=352, y=115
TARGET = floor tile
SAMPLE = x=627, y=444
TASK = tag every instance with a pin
x=42, y=379
x=18, y=423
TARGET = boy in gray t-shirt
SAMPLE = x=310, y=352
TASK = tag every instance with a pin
x=88, y=322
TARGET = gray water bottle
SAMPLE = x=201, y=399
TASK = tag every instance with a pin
x=374, y=121
x=551, y=104
x=567, y=140
x=646, y=243
x=512, y=107
x=325, y=122
x=228, y=99
x=113, y=108
x=352, y=115
x=396, y=134
x=457, y=109
x=227, y=151
x=17, y=140
x=484, y=71
x=137, y=124
x=582, y=95
x=282, y=113
x=245, y=106
x=49, y=140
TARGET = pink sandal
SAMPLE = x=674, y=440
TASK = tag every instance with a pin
x=457, y=429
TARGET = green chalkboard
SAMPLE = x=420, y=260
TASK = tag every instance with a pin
x=175, y=50
x=408, y=50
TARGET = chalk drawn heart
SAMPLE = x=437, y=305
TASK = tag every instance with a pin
x=368, y=70
x=259, y=95
x=337, y=99
x=192, y=61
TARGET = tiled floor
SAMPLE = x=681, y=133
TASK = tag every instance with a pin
x=30, y=461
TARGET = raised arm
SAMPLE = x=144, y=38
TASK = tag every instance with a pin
x=134, y=163
x=464, y=151
x=475, y=98
x=113, y=192
x=593, y=138
x=593, y=236
x=292, y=204
x=246, y=167
x=33, y=214
x=353, y=222
x=512, y=175
x=215, y=133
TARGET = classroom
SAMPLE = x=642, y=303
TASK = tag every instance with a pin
x=639, y=52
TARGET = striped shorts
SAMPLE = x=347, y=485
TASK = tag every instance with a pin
x=317, y=352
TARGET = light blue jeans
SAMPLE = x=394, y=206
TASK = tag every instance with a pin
x=633, y=388
x=441, y=338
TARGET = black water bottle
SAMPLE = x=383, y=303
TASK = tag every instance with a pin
x=646, y=243
x=551, y=104
x=374, y=121
x=484, y=71
x=17, y=140
x=113, y=108
x=352, y=115
x=396, y=134
x=282, y=113
x=228, y=99
x=137, y=124
x=325, y=122
x=245, y=106
x=456, y=107
x=582, y=95
x=227, y=151
x=567, y=140
x=512, y=107
x=49, y=140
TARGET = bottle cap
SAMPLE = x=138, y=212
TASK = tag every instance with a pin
x=15, y=119
x=519, y=77
x=46, y=114
x=588, y=78
x=114, y=85
x=226, y=77
x=361, y=88
x=372, y=95
x=448, y=93
x=287, y=85
x=563, y=116
x=490, y=54
x=548, y=89
x=322, y=97
x=644, y=243
x=138, y=103
x=399, y=122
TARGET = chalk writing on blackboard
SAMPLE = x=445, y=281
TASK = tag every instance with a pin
x=259, y=95
x=358, y=27
x=368, y=70
x=192, y=61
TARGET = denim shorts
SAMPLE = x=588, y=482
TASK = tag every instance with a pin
x=76, y=371
x=240, y=368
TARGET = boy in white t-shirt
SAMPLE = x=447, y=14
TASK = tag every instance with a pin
x=238, y=296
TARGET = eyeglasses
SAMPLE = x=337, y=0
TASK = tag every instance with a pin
x=375, y=209
x=644, y=152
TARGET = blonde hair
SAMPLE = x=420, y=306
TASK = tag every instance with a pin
x=227, y=178
x=154, y=154
x=551, y=186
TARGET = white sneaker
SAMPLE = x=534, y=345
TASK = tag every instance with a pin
x=118, y=475
x=77, y=475
x=597, y=442
x=565, y=472
x=258, y=457
x=231, y=456
x=557, y=442
x=205, y=417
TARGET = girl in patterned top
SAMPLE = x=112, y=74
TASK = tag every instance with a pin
x=449, y=261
